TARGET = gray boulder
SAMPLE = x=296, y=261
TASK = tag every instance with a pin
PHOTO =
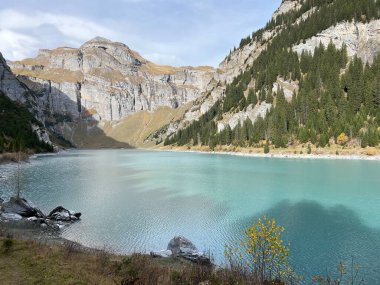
x=62, y=214
x=21, y=207
x=181, y=246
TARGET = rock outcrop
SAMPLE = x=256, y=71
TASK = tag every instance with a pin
x=21, y=209
x=61, y=214
x=180, y=246
x=361, y=39
x=9, y=84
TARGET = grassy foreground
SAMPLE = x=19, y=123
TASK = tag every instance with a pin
x=31, y=262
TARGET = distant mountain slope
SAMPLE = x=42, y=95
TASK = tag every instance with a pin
x=311, y=75
x=101, y=83
x=108, y=80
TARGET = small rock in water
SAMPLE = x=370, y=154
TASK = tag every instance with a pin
x=62, y=214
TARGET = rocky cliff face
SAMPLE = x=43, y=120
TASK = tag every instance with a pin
x=361, y=39
x=19, y=92
x=107, y=81
x=9, y=84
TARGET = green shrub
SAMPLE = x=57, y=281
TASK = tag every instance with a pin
x=7, y=243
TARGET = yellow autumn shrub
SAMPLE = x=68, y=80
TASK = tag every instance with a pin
x=262, y=253
x=342, y=139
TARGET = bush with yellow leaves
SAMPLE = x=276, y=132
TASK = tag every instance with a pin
x=262, y=254
x=342, y=139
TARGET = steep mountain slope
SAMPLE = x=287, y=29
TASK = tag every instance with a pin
x=19, y=127
x=300, y=79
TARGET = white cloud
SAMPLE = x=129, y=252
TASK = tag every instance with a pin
x=16, y=46
x=172, y=32
x=22, y=34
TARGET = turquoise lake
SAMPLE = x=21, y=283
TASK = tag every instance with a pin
x=138, y=200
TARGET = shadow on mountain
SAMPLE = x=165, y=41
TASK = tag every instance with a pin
x=320, y=237
x=68, y=119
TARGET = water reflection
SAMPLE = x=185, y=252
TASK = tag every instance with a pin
x=320, y=237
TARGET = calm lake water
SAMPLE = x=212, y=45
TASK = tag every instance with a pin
x=138, y=200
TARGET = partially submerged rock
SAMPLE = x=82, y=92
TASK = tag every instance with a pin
x=61, y=214
x=182, y=247
x=21, y=207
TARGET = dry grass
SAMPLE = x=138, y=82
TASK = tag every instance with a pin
x=132, y=130
x=29, y=262
x=302, y=149
x=64, y=50
x=156, y=69
x=12, y=157
x=113, y=75
x=54, y=74
x=32, y=61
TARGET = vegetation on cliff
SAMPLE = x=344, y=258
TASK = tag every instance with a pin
x=336, y=96
x=16, y=133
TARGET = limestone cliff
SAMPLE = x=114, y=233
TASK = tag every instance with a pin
x=107, y=81
x=9, y=84
x=101, y=83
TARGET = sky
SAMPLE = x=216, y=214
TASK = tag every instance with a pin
x=172, y=32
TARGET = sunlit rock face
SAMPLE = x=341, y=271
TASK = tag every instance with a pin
x=107, y=81
x=361, y=39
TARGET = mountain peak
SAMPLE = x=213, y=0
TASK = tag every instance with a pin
x=99, y=40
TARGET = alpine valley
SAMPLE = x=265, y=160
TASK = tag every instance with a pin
x=119, y=139
x=310, y=76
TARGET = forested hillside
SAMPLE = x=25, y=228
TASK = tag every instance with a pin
x=337, y=100
x=16, y=131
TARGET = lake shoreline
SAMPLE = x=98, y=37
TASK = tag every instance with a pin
x=274, y=155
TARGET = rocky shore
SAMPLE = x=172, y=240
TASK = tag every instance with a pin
x=20, y=209
x=12, y=157
x=21, y=218
x=341, y=154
